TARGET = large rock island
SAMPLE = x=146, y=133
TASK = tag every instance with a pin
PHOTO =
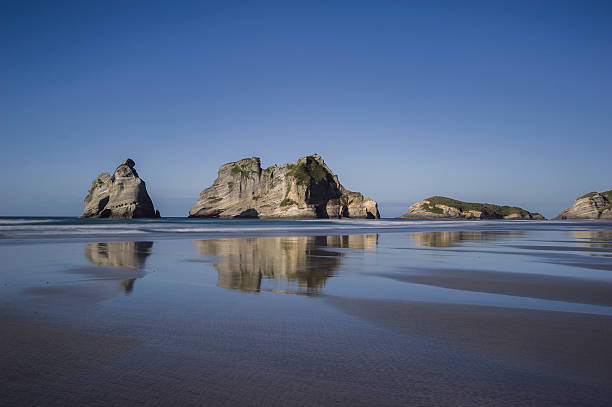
x=594, y=205
x=440, y=207
x=122, y=195
x=306, y=189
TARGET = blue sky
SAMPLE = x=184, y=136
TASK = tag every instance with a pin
x=502, y=102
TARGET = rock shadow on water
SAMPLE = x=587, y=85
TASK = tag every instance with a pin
x=288, y=264
x=116, y=267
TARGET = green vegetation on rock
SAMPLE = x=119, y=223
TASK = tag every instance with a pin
x=432, y=209
x=607, y=195
x=238, y=170
x=307, y=173
x=287, y=202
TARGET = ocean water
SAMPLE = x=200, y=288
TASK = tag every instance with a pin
x=42, y=228
x=181, y=311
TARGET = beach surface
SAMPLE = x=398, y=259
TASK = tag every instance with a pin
x=204, y=312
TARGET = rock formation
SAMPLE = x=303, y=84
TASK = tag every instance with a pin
x=122, y=195
x=594, y=205
x=439, y=207
x=306, y=189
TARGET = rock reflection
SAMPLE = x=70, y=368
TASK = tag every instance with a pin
x=126, y=255
x=128, y=285
x=131, y=255
x=587, y=238
x=299, y=263
x=450, y=239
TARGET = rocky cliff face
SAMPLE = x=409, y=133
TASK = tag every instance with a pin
x=594, y=205
x=122, y=195
x=306, y=189
x=447, y=208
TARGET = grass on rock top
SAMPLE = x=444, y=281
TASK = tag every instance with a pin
x=307, y=173
x=287, y=202
x=243, y=172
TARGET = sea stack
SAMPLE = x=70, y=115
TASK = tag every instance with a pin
x=122, y=195
x=440, y=207
x=307, y=189
x=594, y=205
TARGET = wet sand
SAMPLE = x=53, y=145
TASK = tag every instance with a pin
x=90, y=285
x=558, y=288
x=555, y=344
x=38, y=355
x=406, y=354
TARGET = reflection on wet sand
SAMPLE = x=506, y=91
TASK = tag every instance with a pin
x=300, y=260
x=128, y=285
x=114, y=262
x=450, y=239
x=131, y=255
x=126, y=255
x=593, y=238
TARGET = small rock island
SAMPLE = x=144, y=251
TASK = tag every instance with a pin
x=305, y=190
x=440, y=207
x=594, y=205
x=122, y=195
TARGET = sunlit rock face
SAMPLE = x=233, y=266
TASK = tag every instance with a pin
x=450, y=239
x=306, y=189
x=130, y=255
x=594, y=205
x=302, y=263
x=122, y=195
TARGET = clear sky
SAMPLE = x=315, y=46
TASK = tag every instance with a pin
x=502, y=102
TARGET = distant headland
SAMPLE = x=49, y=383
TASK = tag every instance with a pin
x=440, y=207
